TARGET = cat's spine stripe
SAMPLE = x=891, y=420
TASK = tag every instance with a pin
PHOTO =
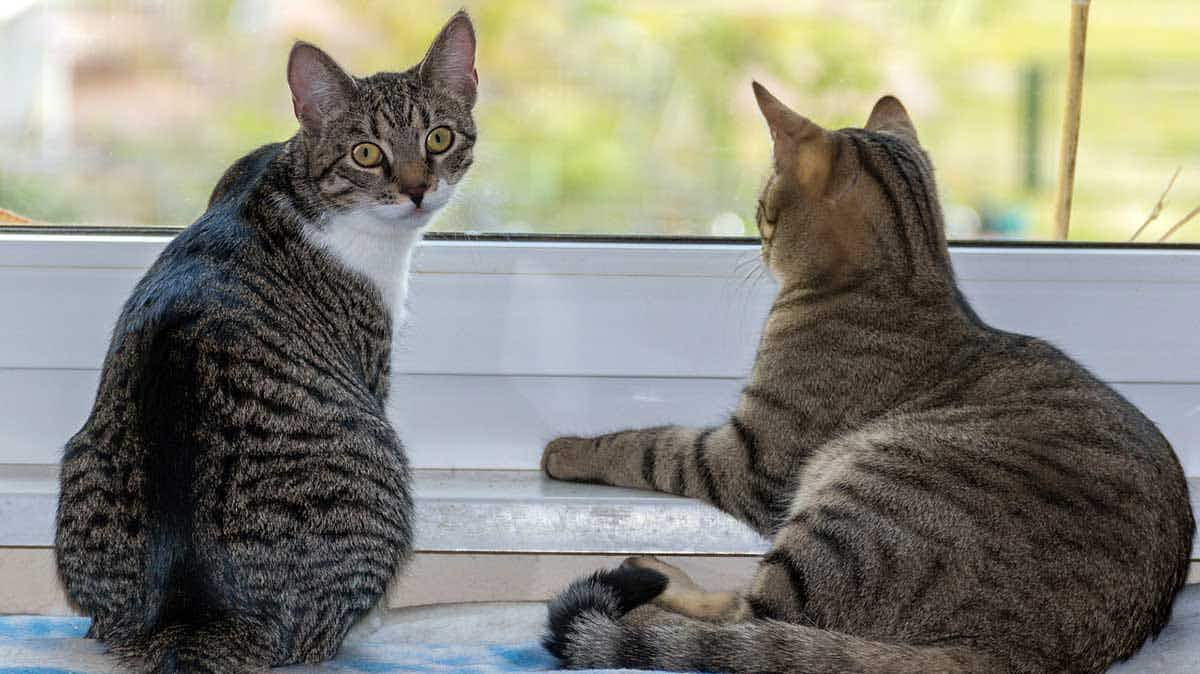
x=892, y=149
x=930, y=222
x=868, y=164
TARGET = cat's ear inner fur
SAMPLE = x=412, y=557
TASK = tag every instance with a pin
x=321, y=90
x=802, y=147
x=450, y=62
x=889, y=115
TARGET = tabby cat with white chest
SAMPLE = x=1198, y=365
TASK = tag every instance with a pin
x=237, y=498
x=942, y=496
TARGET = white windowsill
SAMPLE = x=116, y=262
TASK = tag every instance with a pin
x=480, y=511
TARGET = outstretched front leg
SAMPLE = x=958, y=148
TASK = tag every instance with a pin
x=720, y=465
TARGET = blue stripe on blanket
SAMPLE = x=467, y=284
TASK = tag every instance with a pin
x=46, y=645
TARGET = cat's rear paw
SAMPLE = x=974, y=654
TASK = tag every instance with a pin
x=566, y=458
x=679, y=580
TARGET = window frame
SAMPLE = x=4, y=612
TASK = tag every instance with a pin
x=56, y=342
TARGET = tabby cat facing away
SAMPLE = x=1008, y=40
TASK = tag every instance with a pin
x=237, y=498
x=942, y=496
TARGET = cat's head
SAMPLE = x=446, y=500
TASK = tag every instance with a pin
x=845, y=205
x=391, y=148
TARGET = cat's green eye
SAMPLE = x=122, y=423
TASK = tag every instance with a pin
x=439, y=139
x=367, y=155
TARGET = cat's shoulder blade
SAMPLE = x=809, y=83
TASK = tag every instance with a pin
x=193, y=275
x=240, y=178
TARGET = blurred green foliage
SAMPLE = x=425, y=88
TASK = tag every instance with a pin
x=603, y=116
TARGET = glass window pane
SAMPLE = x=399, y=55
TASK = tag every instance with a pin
x=612, y=117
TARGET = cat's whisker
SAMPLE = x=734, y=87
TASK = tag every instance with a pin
x=744, y=260
x=741, y=293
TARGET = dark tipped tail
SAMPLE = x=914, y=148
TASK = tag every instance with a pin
x=586, y=631
x=220, y=647
x=604, y=595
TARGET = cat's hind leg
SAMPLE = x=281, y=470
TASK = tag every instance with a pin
x=99, y=536
x=778, y=591
x=683, y=596
x=719, y=465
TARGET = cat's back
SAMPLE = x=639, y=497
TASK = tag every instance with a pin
x=199, y=273
x=1013, y=416
x=142, y=409
x=191, y=286
x=1018, y=471
x=1009, y=385
x=205, y=279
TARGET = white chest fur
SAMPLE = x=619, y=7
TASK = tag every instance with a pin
x=375, y=244
x=378, y=241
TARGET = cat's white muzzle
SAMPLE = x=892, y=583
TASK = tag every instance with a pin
x=407, y=214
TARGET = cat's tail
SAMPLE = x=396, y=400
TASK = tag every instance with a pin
x=220, y=647
x=587, y=632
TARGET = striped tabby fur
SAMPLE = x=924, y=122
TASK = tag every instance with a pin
x=237, y=498
x=942, y=496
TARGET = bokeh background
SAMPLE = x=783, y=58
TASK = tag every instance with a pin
x=610, y=117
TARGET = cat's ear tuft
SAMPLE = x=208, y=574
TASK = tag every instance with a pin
x=450, y=62
x=321, y=90
x=797, y=139
x=889, y=115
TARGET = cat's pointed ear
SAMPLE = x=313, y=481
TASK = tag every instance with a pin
x=800, y=144
x=321, y=90
x=450, y=62
x=889, y=115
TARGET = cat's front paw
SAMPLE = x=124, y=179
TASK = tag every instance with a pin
x=567, y=458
